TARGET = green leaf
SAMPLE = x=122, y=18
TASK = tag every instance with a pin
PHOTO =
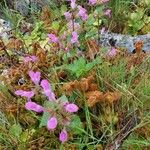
x=96, y=23
x=46, y=115
x=55, y=25
x=16, y=130
x=44, y=119
x=76, y=125
x=63, y=98
x=63, y=9
x=81, y=67
x=90, y=20
x=99, y=9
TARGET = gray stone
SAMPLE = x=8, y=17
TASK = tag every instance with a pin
x=125, y=41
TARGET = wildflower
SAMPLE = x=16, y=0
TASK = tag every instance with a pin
x=104, y=1
x=71, y=108
x=35, y=76
x=92, y=2
x=47, y=90
x=73, y=25
x=68, y=15
x=27, y=94
x=52, y=123
x=82, y=13
x=103, y=30
x=33, y=106
x=108, y=13
x=53, y=38
x=63, y=136
x=112, y=52
x=74, y=38
x=30, y=59
x=73, y=4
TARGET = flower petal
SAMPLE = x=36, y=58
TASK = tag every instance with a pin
x=63, y=136
x=52, y=123
x=33, y=106
x=71, y=108
x=23, y=93
x=35, y=76
x=47, y=90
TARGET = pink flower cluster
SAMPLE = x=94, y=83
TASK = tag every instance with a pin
x=112, y=52
x=82, y=13
x=28, y=59
x=105, y=1
x=73, y=4
x=107, y=12
x=46, y=87
x=53, y=38
x=92, y=2
x=71, y=17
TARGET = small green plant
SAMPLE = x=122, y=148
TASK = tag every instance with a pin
x=81, y=67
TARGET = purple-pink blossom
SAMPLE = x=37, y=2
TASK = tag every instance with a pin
x=107, y=13
x=47, y=90
x=52, y=123
x=112, y=52
x=53, y=38
x=72, y=25
x=92, y=2
x=82, y=13
x=105, y=1
x=35, y=76
x=34, y=107
x=71, y=108
x=74, y=38
x=68, y=15
x=27, y=94
x=73, y=4
x=63, y=136
x=103, y=30
x=30, y=59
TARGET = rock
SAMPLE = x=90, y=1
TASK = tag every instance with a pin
x=26, y=7
x=4, y=29
x=125, y=41
x=22, y=6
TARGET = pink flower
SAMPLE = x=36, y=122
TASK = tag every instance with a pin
x=108, y=13
x=53, y=38
x=104, y=1
x=71, y=108
x=73, y=4
x=35, y=76
x=47, y=90
x=112, y=52
x=68, y=15
x=52, y=123
x=33, y=106
x=103, y=30
x=92, y=2
x=82, y=13
x=74, y=38
x=63, y=136
x=28, y=94
x=30, y=59
x=73, y=25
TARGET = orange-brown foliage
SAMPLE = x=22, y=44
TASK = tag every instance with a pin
x=93, y=49
x=14, y=43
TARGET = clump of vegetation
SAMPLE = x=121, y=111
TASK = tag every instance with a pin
x=60, y=89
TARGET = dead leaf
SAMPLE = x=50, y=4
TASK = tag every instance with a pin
x=112, y=97
x=14, y=43
x=94, y=97
x=93, y=49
